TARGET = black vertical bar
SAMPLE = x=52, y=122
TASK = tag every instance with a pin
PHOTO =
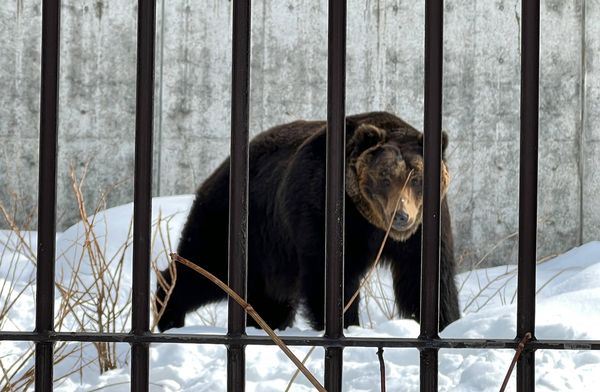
x=432, y=153
x=335, y=192
x=238, y=190
x=44, y=309
x=142, y=206
x=530, y=51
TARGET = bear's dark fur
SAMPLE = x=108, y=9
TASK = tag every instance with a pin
x=286, y=233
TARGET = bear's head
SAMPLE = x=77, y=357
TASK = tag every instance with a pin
x=385, y=169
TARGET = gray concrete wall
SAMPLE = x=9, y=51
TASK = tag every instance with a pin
x=385, y=72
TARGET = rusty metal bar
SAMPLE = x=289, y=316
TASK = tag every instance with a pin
x=530, y=52
x=142, y=206
x=582, y=345
x=44, y=309
x=335, y=192
x=432, y=154
x=238, y=191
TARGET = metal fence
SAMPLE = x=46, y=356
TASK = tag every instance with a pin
x=334, y=340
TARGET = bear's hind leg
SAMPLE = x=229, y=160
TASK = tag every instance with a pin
x=315, y=307
x=191, y=291
x=351, y=285
x=277, y=314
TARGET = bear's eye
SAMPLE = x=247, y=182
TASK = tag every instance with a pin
x=416, y=182
x=386, y=182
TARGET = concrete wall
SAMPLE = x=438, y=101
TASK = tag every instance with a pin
x=289, y=46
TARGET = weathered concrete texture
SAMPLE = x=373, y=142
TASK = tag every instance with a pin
x=19, y=105
x=194, y=96
x=289, y=66
x=97, y=102
x=559, y=195
x=481, y=105
x=20, y=42
x=19, y=179
x=591, y=192
x=384, y=66
x=591, y=119
x=289, y=81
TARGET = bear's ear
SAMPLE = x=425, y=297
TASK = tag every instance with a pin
x=444, y=141
x=365, y=136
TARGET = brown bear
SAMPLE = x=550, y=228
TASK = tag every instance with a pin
x=286, y=235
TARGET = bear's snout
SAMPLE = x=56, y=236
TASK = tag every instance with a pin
x=401, y=220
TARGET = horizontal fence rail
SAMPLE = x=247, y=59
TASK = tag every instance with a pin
x=545, y=344
x=334, y=341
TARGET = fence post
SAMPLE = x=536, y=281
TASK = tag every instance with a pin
x=432, y=155
x=335, y=192
x=44, y=308
x=238, y=191
x=142, y=206
x=530, y=50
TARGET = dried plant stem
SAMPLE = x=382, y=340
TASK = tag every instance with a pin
x=104, y=304
x=520, y=349
x=297, y=372
x=14, y=228
x=252, y=313
x=90, y=295
x=159, y=305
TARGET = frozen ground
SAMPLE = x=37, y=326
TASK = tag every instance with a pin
x=568, y=307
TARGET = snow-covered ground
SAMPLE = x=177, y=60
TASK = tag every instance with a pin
x=568, y=307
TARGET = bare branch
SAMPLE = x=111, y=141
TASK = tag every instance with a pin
x=252, y=313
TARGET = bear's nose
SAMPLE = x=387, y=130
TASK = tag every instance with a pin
x=400, y=220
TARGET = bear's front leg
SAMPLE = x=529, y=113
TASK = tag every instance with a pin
x=351, y=316
x=406, y=277
x=449, y=307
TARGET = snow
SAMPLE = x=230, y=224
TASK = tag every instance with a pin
x=568, y=307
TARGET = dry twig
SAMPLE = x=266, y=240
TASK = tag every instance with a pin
x=520, y=349
x=252, y=313
x=166, y=286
